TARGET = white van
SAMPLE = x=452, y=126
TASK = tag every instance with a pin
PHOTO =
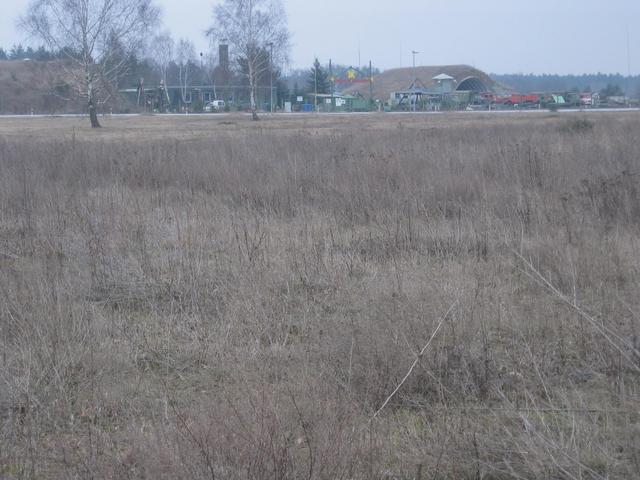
x=214, y=106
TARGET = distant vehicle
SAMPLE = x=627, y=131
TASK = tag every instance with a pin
x=215, y=106
x=517, y=99
x=589, y=99
x=616, y=100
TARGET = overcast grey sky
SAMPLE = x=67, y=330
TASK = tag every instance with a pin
x=501, y=36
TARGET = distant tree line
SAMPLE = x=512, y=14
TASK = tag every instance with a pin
x=19, y=52
x=182, y=66
x=302, y=81
x=178, y=64
x=598, y=82
x=149, y=67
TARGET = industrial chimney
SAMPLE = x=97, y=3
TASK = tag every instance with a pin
x=223, y=53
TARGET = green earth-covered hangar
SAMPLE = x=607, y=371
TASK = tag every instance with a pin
x=430, y=87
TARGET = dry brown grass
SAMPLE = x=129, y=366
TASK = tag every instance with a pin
x=212, y=298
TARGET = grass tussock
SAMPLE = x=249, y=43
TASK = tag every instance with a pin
x=240, y=304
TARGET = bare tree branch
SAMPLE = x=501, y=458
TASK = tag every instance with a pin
x=415, y=362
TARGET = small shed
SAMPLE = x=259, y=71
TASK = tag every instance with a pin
x=337, y=102
x=444, y=83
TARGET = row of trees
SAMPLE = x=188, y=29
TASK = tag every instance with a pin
x=179, y=58
x=172, y=63
x=252, y=28
x=103, y=41
x=99, y=38
x=258, y=38
x=606, y=84
x=176, y=62
x=18, y=52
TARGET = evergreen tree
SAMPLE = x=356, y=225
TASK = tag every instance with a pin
x=3, y=54
x=42, y=54
x=611, y=90
x=17, y=52
x=296, y=92
x=282, y=91
x=318, y=79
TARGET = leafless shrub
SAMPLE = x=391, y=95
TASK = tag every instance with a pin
x=578, y=125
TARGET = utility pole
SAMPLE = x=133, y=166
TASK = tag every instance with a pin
x=270, y=45
x=370, y=86
x=628, y=93
x=201, y=79
x=333, y=87
x=315, y=84
x=415, y=78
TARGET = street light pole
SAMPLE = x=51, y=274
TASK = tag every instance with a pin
x=415, y=95
x=270, y=45
x=201, y=82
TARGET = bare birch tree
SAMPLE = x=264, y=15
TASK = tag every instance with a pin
x=253, y=27
x=185, y=56
x=162, y=54
x=93, y=35
x=211, y=61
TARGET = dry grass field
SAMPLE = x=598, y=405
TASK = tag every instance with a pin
x=365, y=297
